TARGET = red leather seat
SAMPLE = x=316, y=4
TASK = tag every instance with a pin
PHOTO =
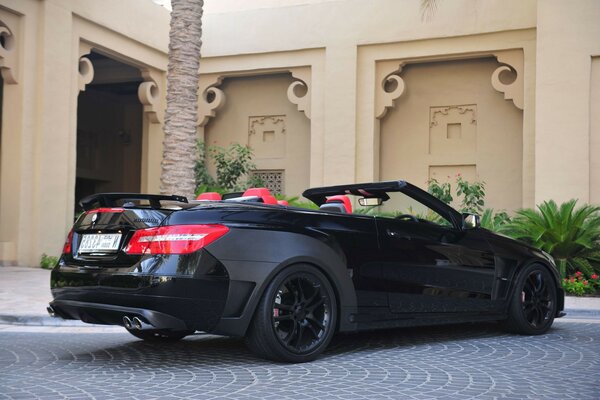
x=343, y=199
x=209, y=196
x=263, y=193
x=283, y=202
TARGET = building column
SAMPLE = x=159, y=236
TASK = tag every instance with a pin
x=340, y=105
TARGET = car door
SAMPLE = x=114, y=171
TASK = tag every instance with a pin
x=431, y=265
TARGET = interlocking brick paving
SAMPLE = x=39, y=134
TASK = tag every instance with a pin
x=447, y=362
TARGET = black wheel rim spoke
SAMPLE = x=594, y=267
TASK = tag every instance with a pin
x=301, y=313
x=315, y=322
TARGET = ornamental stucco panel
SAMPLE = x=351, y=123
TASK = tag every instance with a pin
x=453, y=129
x=266, y=136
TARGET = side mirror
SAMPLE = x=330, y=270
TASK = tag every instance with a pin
x=370, y=201
x=471, y=221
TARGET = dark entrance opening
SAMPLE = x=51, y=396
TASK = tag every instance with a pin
x=109, y=130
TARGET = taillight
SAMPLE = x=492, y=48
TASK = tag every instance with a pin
x=174, y=239
x=67, y=246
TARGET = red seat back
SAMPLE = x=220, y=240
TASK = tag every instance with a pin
x=341, y=198
x=263, y=193
x=209, y=196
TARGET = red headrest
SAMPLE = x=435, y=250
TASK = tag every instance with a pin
x=260, y=192
x=341, y=198
x=209, y=196
x=263, y=193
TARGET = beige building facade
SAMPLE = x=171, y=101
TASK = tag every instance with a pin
x=324, y=91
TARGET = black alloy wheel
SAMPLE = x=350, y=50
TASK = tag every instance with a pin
x=535, y=299
x=296, y=318
x=533, y=305
x=301, y=313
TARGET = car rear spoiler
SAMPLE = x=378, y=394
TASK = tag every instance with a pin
x=111, y=199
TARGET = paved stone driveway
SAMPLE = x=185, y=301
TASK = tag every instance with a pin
x=453, y=362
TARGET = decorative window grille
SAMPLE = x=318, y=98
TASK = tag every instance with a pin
x=273, y=179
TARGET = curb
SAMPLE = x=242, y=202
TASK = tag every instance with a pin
x=39, y=320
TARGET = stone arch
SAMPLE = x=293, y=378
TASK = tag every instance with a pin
x=284, y=123
x=447, y=123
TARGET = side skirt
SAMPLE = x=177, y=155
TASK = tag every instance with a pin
x=380, y=319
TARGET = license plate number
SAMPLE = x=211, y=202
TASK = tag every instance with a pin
x=100, y=242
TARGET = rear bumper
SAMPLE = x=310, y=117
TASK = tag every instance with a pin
x=113, y=315
x=163, y=299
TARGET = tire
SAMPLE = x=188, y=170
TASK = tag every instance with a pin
x=533, y=302
x=159, y=336
x=295, y=318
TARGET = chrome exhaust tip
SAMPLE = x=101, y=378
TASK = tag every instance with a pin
x=127, y=323
x=137, y=323
x=51, y=311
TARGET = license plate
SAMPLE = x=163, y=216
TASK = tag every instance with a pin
x=100, y=242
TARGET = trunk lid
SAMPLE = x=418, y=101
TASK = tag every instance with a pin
x=101, y=233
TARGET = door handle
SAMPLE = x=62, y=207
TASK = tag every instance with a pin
x=397, y=235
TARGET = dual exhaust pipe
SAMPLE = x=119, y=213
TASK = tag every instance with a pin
x=134, y=323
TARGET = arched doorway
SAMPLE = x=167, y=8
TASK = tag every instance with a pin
x=109, y=129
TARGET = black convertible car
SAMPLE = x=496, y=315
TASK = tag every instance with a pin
x=288, y=278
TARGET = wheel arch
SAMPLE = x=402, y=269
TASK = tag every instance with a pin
x=560, y=299
x=281, y=250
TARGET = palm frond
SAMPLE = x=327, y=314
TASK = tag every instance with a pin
x=567, y=232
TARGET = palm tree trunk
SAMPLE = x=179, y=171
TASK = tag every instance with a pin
x=181, y=116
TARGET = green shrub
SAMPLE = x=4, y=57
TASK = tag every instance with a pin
x=571, y=235
x=233, y=164
x=443, y=191
x=472, y=195
x=579, y=285
x=203, y=178
x=48, y=262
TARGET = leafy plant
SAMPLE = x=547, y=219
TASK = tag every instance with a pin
x=48, y=262
x=232, y=164
x=203, y=178
x=571, y=235
x=473, y=195
x=494, y=221
x=443, y=191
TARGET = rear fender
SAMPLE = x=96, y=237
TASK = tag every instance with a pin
x=257, y=256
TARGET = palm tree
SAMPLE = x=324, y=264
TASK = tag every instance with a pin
x=181, y=116
x=571, y=235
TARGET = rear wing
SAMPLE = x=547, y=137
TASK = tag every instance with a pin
x=117, y=199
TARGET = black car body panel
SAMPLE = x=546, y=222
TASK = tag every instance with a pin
x=385, y=272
